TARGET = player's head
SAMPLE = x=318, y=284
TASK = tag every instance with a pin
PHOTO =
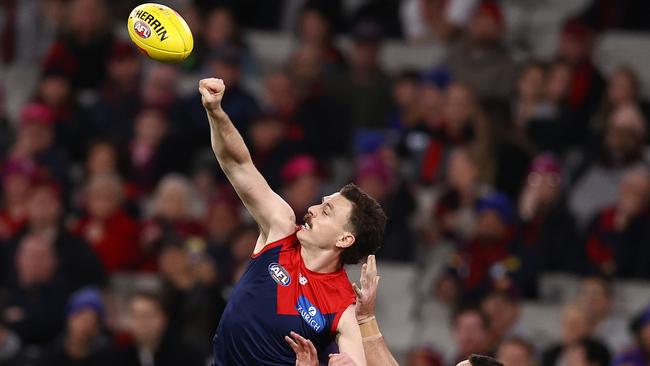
x=349, y=221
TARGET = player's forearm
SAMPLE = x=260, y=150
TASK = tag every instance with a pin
x=374, y=346
x=227, y=143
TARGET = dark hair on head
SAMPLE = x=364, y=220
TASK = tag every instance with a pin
x=596, y=352
x=469, y=308
x=367, y=222
x=152, y=296
x=478, y=360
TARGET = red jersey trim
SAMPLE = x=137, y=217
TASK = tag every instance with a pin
x=274, y=244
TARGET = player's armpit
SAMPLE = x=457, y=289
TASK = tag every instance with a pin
x=349, y=337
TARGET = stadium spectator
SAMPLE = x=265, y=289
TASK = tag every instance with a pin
x=194, y=298
x=463, y=124
x=316, y=30
x=471, y=333
x=585, y=352
x=152, y=150
x=153, y=343
x=503, y=311
x=640, y=354
x=623, y=88
x=596, y=297
x=111, y=116
x=575, y=327
x=82, y=50
x=516, y=351
x=301, y=183
x=223, y=221
x=108, y=229
x=547, y=226
x=375, y=177
x=597, y=179
x=78, y=265
x=173, y=219
x=365, y=87
x=481, y=60
x=37, y=292
x=617, y=235
x=586, y=84
x=221, y=29
x=423, y=356
x=84, y=342
x=18, y=176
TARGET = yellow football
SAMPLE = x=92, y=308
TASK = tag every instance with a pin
x=160, y=33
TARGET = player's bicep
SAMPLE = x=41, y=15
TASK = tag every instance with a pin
x=273, y=215
x=349, y=337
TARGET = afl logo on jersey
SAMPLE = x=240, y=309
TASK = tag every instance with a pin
x=279, y=274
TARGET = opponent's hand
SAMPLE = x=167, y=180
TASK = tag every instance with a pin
x=340, y=359
x=211, y=93
x=305, y=351
x=367, y=294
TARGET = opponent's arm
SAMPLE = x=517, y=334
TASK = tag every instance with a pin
x=376, y=350
x=349, y=337
x=273, y=215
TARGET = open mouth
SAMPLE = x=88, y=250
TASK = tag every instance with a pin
x=308, y=224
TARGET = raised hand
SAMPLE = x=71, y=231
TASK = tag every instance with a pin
x=305, y=351
x=212, y=91
x=367, y=294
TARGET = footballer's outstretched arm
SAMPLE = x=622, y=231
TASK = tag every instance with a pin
x=274, y=216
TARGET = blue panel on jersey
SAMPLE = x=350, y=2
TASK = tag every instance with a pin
x=310, y=314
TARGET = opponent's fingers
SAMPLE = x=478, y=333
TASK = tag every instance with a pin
x=357, y=290
x=372, y=266
x=363, y=279
x=294, y=346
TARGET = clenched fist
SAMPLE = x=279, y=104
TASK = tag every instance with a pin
x=212, y=90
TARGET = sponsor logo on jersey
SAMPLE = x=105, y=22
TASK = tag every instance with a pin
x=142, y=29
x=310, y=314
x=150, y=20
x=279, y=274
x=302, y=279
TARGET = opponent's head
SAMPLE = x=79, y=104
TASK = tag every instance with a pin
x=349, y=221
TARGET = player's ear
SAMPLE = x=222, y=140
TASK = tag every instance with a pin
x=345, y=240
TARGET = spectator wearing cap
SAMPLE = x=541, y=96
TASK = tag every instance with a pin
x=598, y=175
x=18, y=176
x=37, y=292
x=617, y=236
x=640, y=354
x=83, y=48
x=547, y=227
x=484, y=261
x=364, y=88
x=78, y=264
x=481, y=60
x=35, y=140
x=111, y=116
x=301, y=183
x=84, y=342
x=110, y=231
x=586, y=84
x=380, y=181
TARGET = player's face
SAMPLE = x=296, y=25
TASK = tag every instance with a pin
x=326, y=224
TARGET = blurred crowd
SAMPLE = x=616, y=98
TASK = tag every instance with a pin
x=492, y=171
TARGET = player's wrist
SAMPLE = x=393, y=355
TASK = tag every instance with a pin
x=369, y=329
x=364, y=317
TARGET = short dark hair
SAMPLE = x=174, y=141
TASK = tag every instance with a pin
x=367, y=223
x=478, y=360
x=152, y=296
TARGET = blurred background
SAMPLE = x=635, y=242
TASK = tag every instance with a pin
x=507, y=141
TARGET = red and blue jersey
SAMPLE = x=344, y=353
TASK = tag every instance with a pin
x=276, y=295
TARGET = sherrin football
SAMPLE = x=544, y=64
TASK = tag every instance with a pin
x=160, y=33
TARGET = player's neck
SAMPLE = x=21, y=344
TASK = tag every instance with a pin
x=320, y=260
